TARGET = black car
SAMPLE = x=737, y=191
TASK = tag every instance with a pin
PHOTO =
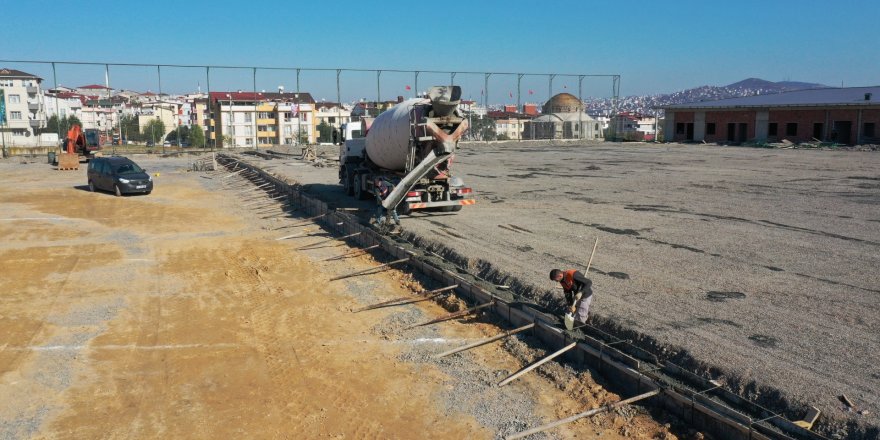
x=119, y=175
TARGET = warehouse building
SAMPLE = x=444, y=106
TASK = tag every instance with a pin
x=843, y=115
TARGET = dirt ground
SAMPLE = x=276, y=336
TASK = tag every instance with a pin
x=759, y=262
x=178, y=315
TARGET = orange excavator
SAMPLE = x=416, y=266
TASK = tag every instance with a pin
x=78, y=145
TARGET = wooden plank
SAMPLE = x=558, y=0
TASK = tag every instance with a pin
x=407, y=299
x=536, y=364
x=589, y=413
x=369, y=271
x=484, y=341
x=452, y=315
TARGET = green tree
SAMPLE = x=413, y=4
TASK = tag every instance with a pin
x=60, y=126
x=154, y=130
x=131, y=130
x=325, y=132
x=184, y=135
x=228, y=141
x=483, y=128
x=197, y=136
x=52, y=126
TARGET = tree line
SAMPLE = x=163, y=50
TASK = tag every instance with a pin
x=130, y=129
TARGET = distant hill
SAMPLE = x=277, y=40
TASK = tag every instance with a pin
x=781, y=86
x=748, y=87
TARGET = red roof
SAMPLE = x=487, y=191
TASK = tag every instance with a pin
x=304, y=98
x=94, y=86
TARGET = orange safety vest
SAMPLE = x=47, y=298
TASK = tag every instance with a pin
x=567, y=280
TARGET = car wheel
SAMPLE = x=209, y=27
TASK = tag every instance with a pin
x=91, y=186
x=117, y=191
x=148, y=192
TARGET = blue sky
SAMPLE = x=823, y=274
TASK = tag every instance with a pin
x=657, y=47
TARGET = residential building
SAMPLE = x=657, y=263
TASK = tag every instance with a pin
x=333, y=114
x=848, y=115
x=167, y=112
x=509, y=125
x=634, y=126
x=24, y=112
x=63, y=104
x=246, y=119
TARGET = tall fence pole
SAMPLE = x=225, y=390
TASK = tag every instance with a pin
x=256, y=114
x=583, y=108
x=57, y=108
x=159, y=76
x=298, y=117
x=212, y=130
x=416, y=88
x=519, y=77
x=378, y=86
x=338, y=107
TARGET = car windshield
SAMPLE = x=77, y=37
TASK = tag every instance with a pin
x=128, y=168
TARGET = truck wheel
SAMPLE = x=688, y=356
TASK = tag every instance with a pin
x=348, y=182
x=404, y=209
x=454, y=208
x=117, y=191
x=359, y=192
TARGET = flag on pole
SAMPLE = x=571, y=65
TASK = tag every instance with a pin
x=531, y=92
x=511, y=94
x=408, y=87
x=564, y=86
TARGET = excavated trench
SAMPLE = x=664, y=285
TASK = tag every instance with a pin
x=633, y=362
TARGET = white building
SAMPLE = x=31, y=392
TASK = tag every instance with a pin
x=23, y=110
x=245, y=119
x=63, y=105
x=332, y=114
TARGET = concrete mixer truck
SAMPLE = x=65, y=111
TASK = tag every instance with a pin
x=411, y=145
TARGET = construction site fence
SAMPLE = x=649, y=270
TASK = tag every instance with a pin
x=482, y=92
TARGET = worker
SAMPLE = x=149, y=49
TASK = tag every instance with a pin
x=383, y=189
x=578, y=292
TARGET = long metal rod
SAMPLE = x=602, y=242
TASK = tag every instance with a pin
x=230, y=175
x=453, y=315
x=254, y=189
x=309, y=220
x=262, y=200
x=485, y=341
x=353, y=253
x=57, y=108
x=536, y=364
x=312, y=69
x=589, y=413
x=329, y=240
x=406, y=299
x=212, y=131
x=370, y=271
x=256, y=114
